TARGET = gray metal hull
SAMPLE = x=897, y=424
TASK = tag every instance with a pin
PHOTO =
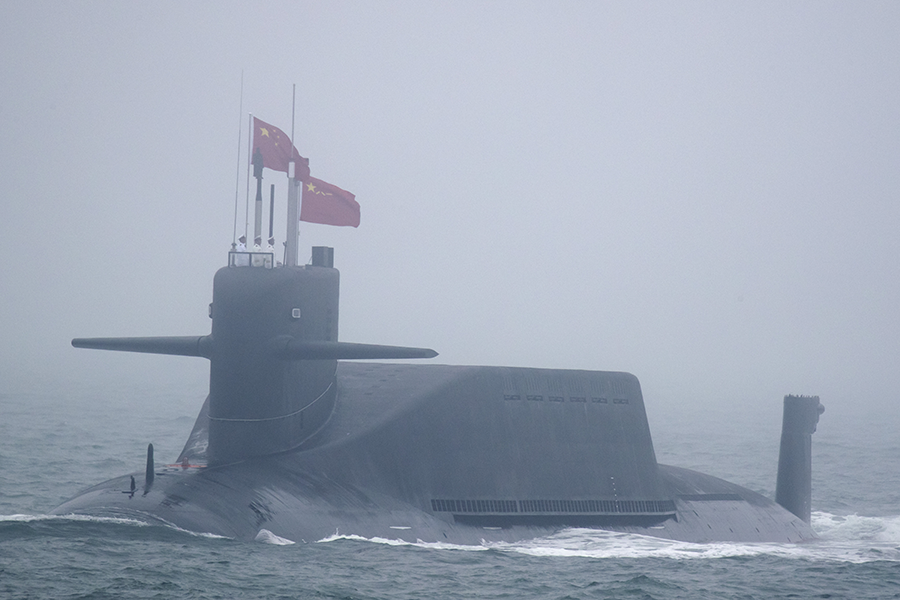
x=455, y=454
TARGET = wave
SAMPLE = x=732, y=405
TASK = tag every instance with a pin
x=336, y=537
x=267, y=537
x=856, y=528
x=850, y=538
x=842, y=538
x=62, y=524
x=20, y=518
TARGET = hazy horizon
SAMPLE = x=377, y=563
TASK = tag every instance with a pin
x=702, y=194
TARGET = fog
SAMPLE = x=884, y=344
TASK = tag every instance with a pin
x=702, y=194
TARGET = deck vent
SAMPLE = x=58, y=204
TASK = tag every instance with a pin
x=584, y=507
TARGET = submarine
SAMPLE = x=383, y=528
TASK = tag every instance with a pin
x=301, y=439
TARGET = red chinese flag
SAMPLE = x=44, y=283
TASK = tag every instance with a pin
x=276, y=149
x=328, y=204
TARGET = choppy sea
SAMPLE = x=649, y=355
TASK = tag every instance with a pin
x=56, y=440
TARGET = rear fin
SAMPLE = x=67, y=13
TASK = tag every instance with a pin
x=793, y=489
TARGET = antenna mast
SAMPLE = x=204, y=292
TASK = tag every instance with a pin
x=237, y=178
x=249, y=151
x=293, y=215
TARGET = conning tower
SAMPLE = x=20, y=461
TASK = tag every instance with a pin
x=273, y=352
x=260, y=400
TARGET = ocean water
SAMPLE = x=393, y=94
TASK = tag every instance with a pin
x=54, y=441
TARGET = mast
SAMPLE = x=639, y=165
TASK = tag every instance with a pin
x=237, y=178
x=257, y=173
x=271, y=211
x=249, y=150
x=293, y=215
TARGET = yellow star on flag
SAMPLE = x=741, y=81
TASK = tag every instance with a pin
x=277, y=150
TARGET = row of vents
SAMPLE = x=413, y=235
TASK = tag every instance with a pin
x=580, y=399
x=555, y=506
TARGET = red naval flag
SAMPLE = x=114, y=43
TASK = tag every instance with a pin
x=328, y=204
x=276, y=149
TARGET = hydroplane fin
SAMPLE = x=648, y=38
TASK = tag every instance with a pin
x=283, y=347
x=177, y=346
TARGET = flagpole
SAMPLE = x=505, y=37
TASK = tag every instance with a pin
x=237, y=175
x=293, y=225
x=249, y=151
x=293, y=106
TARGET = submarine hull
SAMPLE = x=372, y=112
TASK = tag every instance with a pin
x=242, y=500
x=453, y=454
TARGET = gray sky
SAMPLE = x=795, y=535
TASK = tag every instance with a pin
x=702, y=194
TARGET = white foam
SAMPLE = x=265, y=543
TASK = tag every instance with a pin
x=267, y=537
x=856, y=528
x=155, y=521
x=591, y=543
x=74, y=517
x=842, y=539
x=358, y=538
x=203, y=534
x=336, y=536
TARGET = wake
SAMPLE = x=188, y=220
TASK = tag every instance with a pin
x=851, y=538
